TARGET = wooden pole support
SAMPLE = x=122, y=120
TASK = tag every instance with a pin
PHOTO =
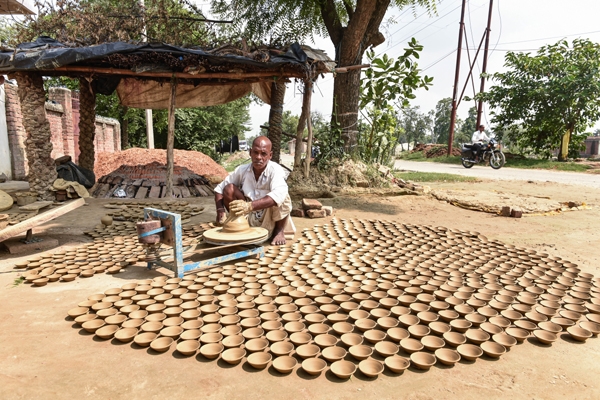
x=171, y=138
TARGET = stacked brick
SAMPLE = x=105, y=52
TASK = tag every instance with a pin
x=312, y=208
x=62, y=112
x=149, y=181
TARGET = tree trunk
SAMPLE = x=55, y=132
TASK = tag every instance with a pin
x=125, y=130
x=87, y=124
x=346, y=90
x=563, y=154
x=38, y=144
x=171, y=139
x=308, y=85
x=275, y=117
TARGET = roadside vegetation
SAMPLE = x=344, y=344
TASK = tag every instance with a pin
x=432, y=177
x=518, y=162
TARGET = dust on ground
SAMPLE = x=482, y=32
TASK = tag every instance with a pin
x=43, y=356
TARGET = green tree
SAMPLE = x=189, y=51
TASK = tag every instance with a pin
x=468, y=127
x=416, y=126
x=441, y=124
x=548, y=100
x=389, y=81
x=352, y=25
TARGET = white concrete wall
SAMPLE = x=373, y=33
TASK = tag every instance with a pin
x=5, y=166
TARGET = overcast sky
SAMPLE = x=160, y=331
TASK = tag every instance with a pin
x=517, y=25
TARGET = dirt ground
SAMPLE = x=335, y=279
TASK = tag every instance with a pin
x=42, y=356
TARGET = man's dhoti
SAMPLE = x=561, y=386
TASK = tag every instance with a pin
x=267, y=218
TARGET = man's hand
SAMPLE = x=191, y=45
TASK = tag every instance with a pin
x=240, y=207
x=220, y=217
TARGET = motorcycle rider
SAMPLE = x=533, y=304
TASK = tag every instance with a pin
x=478, y=138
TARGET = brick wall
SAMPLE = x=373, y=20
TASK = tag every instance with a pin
x=62, y=112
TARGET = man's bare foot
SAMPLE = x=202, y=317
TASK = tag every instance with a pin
x=278, y=239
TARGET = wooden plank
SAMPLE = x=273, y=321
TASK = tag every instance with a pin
x=171, y=137
x=193, y=191
x=35, y=206
x=102, y=190
x=185, y=192
x=200, y=189
x=176, y=191
x=154, y=192
x=141, y=193
x=163, y=193
x=40, y=219
x=109, y=192
x=138, y=182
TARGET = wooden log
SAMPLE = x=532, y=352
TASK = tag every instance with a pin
x=141, y=193
x=301, y=125
x=40, y=219
x=194, y=191
x=102, y=190
x=109, y=192
x=171, y=136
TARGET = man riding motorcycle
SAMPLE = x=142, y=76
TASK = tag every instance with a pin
x=478, y=139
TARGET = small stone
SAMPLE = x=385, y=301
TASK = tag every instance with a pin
x=311, y=204
x=362, y=184
x=573, y=204
x=505, y=211
x=297, y=213
x=328, y=210
x=516, y=213
x=315, y=213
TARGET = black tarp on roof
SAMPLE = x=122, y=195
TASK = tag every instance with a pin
x=46, y=54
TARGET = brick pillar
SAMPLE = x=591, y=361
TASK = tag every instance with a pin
x=64, y=98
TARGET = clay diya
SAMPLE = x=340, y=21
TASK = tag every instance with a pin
x=343, y=369
x=144, y=339
x=370, y=368
x=360, y=352
x=314, y=366
x=233, y=356
x=579, y=334
x=469, y=352
x=211, y=350
x=493, y=349
x=422, y=360
x=447, y=356
x=188, y=347
x=161, y=344
x=284, y=364
x=545, y=337
x=259, y=360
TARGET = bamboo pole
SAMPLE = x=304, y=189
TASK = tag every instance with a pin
x=308, y=87
x=171, y=138
x=179, y=75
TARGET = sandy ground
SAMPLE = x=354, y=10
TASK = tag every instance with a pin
x=42, y=356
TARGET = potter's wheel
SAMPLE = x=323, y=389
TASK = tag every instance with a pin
x=236, y=231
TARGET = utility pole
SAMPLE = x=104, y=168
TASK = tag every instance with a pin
x=149, y=122
x=456, y=77
x=485, y=58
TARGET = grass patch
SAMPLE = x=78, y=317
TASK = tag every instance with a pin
x=433, y=177
x=18, y=281
x=523, y=163
x=229, y=167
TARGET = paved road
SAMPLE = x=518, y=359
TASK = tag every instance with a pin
x=505, y=173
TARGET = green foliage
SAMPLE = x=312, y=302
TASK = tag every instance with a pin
x=88, y=22
x=289, y=124
x=7, y=30
x=414, y=125
x=548, y=99
x=468, y=127
x=433, y=177
x=388, y=82
x=441, y=124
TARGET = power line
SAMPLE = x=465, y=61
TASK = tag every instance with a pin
x=439, y=60
x=551, y=37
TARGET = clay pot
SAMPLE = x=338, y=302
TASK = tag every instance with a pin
x=370, y=368
x=115, y=319
x=519, y=334
x=422, y=360
x=192, y=324
x=284, y=364
x=126, y=335
x=152, y=327
x=360, y=352
x=253, y=333
x=545, y=337
x=193, y=334
x=233, y=341
x=77, y=311
x=84, y=318
x=343, y=369
x=493, y=349
x=259, y=360
x=504, y=339
x=454, y=338
x=469, y=352
x=188, y=347
x=325, y=340
x=211, y=350
x=93, y=325
x=279, y=348
x=578, y=333
x=144, y=339
x=447, y=356
x=255, y=345
x=107, y=331
x=411, y=345
x=432, y=343
x=206, y=338
x=550, y=327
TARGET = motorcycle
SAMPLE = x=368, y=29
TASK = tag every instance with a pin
x=489, y=153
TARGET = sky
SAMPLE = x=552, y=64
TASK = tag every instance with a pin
x=517, y=25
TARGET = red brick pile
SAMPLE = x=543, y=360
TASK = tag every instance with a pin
x=195, y=161
x=312, y=208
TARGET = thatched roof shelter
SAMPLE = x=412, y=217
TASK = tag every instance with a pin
x=151, y=76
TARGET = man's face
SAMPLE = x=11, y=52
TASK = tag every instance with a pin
x=481, y=128
x=260, y=153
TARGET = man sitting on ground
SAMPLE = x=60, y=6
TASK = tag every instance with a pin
x=259, y=191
